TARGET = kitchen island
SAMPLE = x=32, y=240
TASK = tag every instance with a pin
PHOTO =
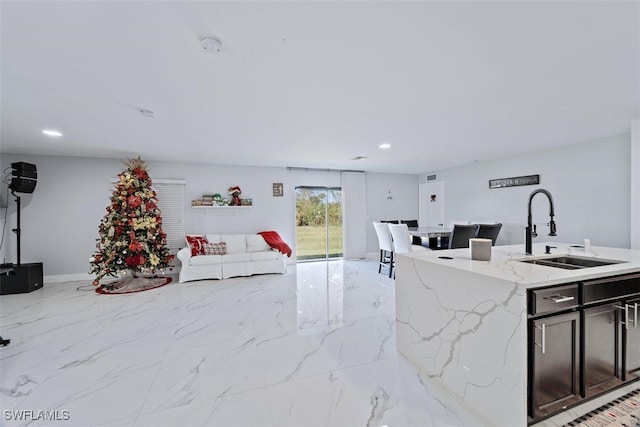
x=464, y=323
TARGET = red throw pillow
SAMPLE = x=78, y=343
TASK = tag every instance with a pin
x=196, y=243
x=215, y=248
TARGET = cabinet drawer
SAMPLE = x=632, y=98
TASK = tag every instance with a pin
x=611, y=288
x=553, y=299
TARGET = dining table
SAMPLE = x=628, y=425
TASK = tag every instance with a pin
x=438, y=237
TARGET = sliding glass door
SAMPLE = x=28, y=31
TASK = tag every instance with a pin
x=318, y=223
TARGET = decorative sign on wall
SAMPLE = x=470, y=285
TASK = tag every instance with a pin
x=278, y=189
x=515, y=181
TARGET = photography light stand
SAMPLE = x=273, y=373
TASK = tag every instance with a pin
x=5, y=342
x=16, y=279
x=17, y=229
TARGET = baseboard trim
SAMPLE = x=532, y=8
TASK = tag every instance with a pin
x=69, y=278
x=60, y=278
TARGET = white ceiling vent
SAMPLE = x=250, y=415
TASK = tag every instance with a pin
x=147, y=113
x=211, y=45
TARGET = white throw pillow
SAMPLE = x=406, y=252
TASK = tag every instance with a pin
x=256, y=243
x=235, y=243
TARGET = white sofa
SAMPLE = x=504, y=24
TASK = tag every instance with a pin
x=247, y=254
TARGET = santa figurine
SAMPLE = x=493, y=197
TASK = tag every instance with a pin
x=235, y=196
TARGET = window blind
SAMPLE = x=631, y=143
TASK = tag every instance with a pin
x=171, y=202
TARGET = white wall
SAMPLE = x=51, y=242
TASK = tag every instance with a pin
x=635, y=184
x=589, y=181
x=60, y=219
x=402, y=206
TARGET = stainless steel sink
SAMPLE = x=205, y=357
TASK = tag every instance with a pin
x=569, y=262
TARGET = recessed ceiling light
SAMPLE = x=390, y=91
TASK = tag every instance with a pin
x=384, y=146
x=51, y=132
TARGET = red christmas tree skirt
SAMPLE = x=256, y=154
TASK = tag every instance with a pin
x=132, y=284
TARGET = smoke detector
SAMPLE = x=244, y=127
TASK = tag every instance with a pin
x=211, y=45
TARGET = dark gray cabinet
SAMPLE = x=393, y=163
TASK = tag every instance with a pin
x=602, y=345
x=611, y=331
x=611, y=345
x=584, y=340
x=631, y=343
x=555, y=363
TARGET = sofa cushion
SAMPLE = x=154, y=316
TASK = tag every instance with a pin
x=215, y=248
x=206, y=260
x=231, y=258
x=196, y=243
x=236, y=243
x=264, y=256
x=256, y=243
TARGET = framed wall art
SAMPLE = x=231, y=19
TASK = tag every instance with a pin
x=278, y=189
x=515, y=181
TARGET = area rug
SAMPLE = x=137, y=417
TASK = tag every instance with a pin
x=132, y=284
x=622, y=412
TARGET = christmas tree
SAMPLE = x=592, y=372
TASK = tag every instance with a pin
x=131, y=236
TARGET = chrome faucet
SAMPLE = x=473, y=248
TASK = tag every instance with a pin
x=530, y=231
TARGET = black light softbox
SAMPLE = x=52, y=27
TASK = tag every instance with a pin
x=24, y=177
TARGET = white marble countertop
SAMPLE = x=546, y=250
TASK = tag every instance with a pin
x=504, y=264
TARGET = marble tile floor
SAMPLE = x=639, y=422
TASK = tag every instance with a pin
x=313, y=347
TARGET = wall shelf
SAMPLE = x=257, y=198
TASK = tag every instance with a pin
x=221, y=207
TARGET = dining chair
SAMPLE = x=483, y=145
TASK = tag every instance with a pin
x=386, y=246
x=412, y=223
x=461, y=234
x=402, y=243
x=489, y=231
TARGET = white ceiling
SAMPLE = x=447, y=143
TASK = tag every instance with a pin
x=314, y=84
